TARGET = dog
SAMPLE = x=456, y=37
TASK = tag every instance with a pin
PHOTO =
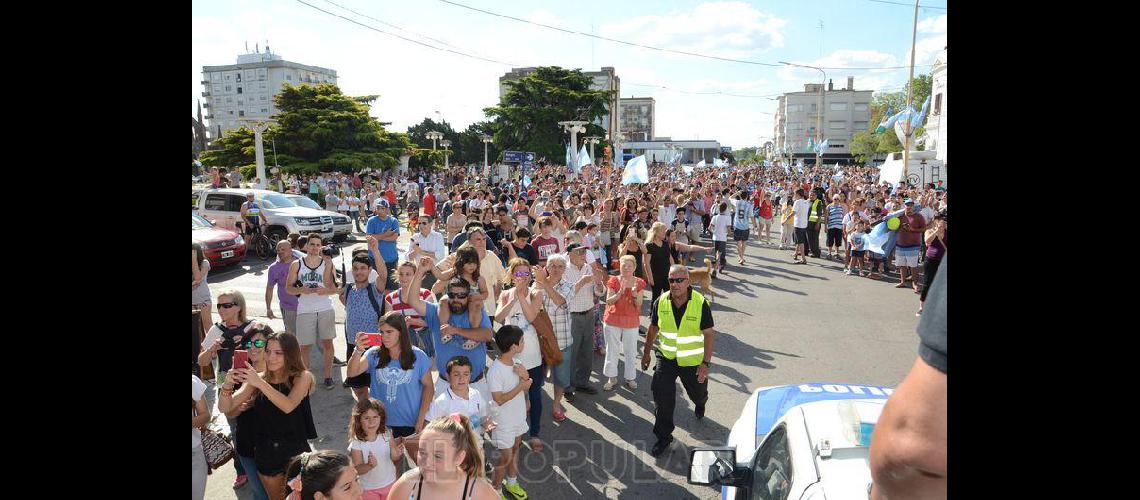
x=704, y=277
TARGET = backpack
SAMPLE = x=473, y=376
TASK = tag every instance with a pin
x=371, y=297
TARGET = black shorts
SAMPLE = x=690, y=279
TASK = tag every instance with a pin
x=800, y=236
x=272, y=456
x=834, y=237
x=740, y=235
x=857, y=253
x=400, y=431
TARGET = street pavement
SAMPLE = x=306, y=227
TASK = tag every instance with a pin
x=776, y=323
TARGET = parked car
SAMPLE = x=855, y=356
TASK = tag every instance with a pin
x=221, y=246
x=806, y=441
x=223, y=206
x=342, y=225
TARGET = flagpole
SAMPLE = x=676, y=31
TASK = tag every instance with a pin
x=909, y=94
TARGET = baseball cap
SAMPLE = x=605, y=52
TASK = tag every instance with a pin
x=908, y=201
x=382, y=203
x=574, y=246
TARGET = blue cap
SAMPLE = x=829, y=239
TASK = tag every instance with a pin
x=908, y=201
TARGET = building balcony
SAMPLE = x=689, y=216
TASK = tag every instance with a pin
x=205, y=94
x=209, y=117
x=205, y=82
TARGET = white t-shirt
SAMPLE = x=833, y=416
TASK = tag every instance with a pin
x=531, y=355
x=197, y=390
x=856, y=239
x=801, y=209
x=502, y=378
x=720, y=225
x=385, y=471
x=475, y=407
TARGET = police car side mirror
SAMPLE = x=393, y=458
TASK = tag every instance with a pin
x=712, y=466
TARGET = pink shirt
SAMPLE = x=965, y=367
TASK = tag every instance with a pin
x=623, y=313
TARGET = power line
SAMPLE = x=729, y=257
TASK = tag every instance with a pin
x=907, y=4
x=417, y=42
x=392, y=25
x=591, y=35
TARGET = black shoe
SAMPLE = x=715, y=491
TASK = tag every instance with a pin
x=569, y=397
x=587, y=389
x=660, y=447
x=337, y=362
x=700, y=410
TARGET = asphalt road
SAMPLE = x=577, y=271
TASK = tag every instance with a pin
x=776, y=323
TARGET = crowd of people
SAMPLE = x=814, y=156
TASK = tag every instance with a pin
x=503, y=287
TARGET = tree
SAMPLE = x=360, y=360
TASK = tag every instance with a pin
x=471, y=144
x=320, y=128
x=235, y=149
x=527, y=116
x=887, y=142
x=418, y=135
x=749, y=154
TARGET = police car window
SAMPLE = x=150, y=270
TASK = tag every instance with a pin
x=216, y=202
x=772, y=471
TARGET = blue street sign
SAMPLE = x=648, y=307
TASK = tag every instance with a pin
x=513, y=156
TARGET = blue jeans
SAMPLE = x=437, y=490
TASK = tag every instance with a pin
x=538, y=376
x=254, y=482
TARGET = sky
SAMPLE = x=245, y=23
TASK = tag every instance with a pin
x=416, y=82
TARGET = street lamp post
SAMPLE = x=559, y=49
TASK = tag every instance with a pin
x=819, y=115
x=447, y=152
x=434, y=136
x=486, y=140
x=591, y=140
x=575, y=127
x=259, y=125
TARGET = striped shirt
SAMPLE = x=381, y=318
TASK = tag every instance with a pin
x=834, y=216
x=393, y=300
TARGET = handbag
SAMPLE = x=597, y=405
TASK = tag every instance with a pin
x=217, y=447
x=547, y=341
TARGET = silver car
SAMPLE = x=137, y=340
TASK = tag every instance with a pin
x=342, y=224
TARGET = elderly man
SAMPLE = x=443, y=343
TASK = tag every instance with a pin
x=426, y=241
x=583, y=282
x=684, y=351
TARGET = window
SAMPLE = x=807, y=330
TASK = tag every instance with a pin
x=814, y=108
x=837, y=125
x=772, y=467
x=228, y=77
x=233, y=202
x=262, y=97
x=860, y=106
x=938, y=104
x=239, y=90
x=289, y=77
x=240, y=102
x=838, y=106
x=239, y=77
x=264, y=110
x=228, y=88
x=241, y=112
x=229, y=100
x=262, y=85
x=860, y=126
x=216, y=202
x=230, y=112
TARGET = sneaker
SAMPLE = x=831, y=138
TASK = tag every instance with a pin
x=568, y=396
x=631, y=384
x=700, y=412
x=609, y=385
x=847, y=272
x=328, y=383
x=587, y=389
x=337, y=362
x=515, y=490
x=660, y=447
x=240, y=481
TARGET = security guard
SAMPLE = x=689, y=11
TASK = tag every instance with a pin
x=685, y=322
x=814, y=216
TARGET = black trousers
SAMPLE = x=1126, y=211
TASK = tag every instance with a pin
x=664, y=387
x=813, y=240
x=929, y=268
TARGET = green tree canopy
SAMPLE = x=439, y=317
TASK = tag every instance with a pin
x=471, y=144
x=418, y=135
x=527, y=116
x=865, y=144
x=234, y=150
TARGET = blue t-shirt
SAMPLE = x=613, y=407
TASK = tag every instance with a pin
x=444, y=352
x=376, y=225
x=360, y=316
x=399, y=390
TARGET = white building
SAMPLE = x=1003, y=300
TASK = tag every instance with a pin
x=246, y=89
x=637, y=116
x=606, y=79
x=936, y=121
x=846, y=111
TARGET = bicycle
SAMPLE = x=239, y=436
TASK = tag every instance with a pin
x=259, y=243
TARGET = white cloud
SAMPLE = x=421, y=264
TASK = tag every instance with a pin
x=933, y=24
x=842, y=58
x=725, y=29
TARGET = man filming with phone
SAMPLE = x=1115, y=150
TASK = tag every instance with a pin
x=312, y=279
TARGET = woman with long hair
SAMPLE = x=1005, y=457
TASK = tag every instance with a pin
x=660, y=258
x=243, y=421
x=450, y=464
x=322, y=475
x=200, y=288
x=400, y=373
x=519, y=306
x=283, y=414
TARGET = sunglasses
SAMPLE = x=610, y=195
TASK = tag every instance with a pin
x=227, y=305
x=522, y=274
x=459, y=295
x=677, y=280
x=256, y=343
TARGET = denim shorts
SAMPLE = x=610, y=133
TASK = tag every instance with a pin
x=560, y=374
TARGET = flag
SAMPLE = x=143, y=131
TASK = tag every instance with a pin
x=810, y=145
x=569, y=156
x=880, y=240
x=717, y=162
x=584, y=157
x=526, y=180
x=636, y=171
x=688, y=169
x=822, y=146
x=701, y=164
x=917, y=120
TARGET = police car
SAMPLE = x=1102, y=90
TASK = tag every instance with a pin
x=805, y=441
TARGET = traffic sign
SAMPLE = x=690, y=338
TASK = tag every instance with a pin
x=513, y=156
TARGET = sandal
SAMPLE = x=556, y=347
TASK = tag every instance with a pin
x=559, y=416
x=536, y=445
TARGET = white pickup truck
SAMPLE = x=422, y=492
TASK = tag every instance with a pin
x=804, y=442
x=223, y=207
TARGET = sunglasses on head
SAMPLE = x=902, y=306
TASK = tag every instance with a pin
x=227, y=305
x=256, y=343
x=677, y=280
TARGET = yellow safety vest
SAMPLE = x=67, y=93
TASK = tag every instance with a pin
x=813, y=216
x=683, y=342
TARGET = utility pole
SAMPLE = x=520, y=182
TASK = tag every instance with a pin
x=909, y=95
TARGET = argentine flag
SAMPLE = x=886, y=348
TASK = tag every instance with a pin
x=636, y=171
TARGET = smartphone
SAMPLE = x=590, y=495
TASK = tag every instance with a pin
x=240, y=357
x=374, y=339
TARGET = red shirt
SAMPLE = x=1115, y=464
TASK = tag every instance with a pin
x=429, y=204
x=766, y=210
x=391, y=195
x=544, y=247
x=393, y=300
x=623, y=313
